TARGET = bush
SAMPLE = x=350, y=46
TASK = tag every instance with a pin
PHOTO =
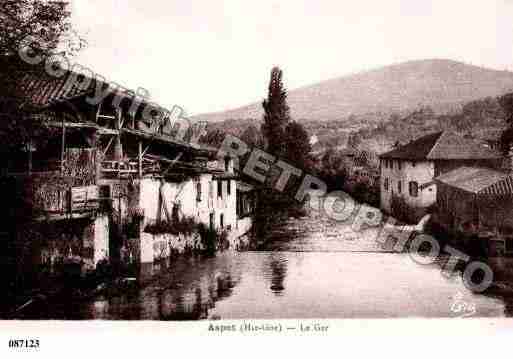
x=212, y=240
x=185, y=226
x=402, y=211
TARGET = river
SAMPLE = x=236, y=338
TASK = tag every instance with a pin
x=310, y=268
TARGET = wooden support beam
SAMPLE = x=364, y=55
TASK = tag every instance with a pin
x=108, y=117
x=63, y=145
x=108, y=145
x=98, y=108
x=107, y=131
x=122, y=119
x=118, y=149
x=145, y=150
x=118, y=118
x=79, y=125
x=97, y=164
x=140, y=159
x=30, y=157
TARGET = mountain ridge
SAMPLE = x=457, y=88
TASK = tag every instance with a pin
x=442, y=84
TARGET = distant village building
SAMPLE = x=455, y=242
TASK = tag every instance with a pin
x=408, y=171
x=348, y=153
x=103, y=181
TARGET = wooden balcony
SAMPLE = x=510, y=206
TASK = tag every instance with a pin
x=76, y=202
x=123, y=169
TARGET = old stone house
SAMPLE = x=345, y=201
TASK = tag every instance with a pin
x=101, y=178
x=408, y=171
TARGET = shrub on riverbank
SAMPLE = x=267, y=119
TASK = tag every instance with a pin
x=211, y=240
x=363, y=190
x=185, y=225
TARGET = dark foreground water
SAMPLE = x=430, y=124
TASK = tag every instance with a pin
x=313, y=268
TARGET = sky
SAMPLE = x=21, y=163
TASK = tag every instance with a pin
x=214, y=55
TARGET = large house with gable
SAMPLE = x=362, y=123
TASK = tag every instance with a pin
x=102, y=182
x=408, y=171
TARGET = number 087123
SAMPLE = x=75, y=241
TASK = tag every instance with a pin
x=24, y=343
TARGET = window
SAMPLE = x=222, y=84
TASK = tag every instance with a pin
x=400, y=187
x=220, y=189
x=176, y=211
x=105, y=195
x=211, y=221
x=413, y=164
x=229, y=187
x=414, y=189
x=198, y=191
x=221, y=220
x=104, y=192
x=385, y=184
x=400, y=165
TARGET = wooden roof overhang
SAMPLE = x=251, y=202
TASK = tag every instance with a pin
x=166, y=140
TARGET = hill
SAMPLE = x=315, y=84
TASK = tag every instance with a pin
x=442, y=85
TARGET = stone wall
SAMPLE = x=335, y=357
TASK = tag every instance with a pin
x=101, y=238
x=199, y=198
x=185, y=194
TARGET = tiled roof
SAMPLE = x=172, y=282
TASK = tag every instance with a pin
x=416, y=149
x=43, y=90
x=478, y=180
x=442, y=146
x=451, y=146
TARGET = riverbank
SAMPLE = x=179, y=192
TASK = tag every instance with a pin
x=309, y=267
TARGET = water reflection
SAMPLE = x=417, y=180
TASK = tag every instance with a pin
x=316, y=272
x=278, y=272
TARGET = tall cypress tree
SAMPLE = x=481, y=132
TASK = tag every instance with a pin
x=506, y=139
x=298, y=145
x=277, y=114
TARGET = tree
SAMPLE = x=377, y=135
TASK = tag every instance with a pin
x=252, y=137
x=328, y=158
x=354, y=140
x=297, y=145
x=277, y=115
x=47, y=25
x=38, y=27
x=506, y=139
x=47, y=21
x=506, y=103
x=213, y=138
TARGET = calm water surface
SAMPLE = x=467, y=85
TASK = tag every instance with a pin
x=312, y=268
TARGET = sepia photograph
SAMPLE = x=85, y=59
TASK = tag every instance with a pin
x=258, y=167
